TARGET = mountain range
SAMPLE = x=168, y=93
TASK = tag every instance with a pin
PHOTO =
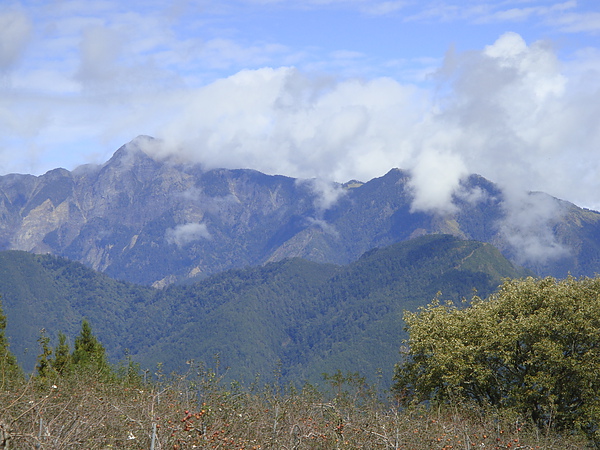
x=295, y=316
x=156, y=221
x=172, y=262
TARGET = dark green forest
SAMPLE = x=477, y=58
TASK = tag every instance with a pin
x=295, y=318
x=514, y=370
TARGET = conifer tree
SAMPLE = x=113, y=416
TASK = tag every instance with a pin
x=62, y=355
x=44, y=361
x=9, y=368
x=89, y=352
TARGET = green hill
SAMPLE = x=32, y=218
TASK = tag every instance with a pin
x=302, y=317
x=44, y=291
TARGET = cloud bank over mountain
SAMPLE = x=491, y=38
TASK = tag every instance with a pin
x=239, y=83
x=511, y=112
x=187, y=233
x=365, y=91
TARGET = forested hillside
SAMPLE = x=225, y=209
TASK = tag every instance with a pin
x=299, y=317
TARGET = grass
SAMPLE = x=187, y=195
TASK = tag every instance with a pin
x=198, y=410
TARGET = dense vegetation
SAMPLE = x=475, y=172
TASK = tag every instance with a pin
x=532, y=348
x=91, y=405
x=517, y=369
x=300, y=317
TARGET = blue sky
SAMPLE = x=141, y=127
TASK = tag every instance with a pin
x=333, y=89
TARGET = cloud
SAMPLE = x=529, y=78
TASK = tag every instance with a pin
x=15, y=33
x=527, y=227
x=435, y=178
x=519, y=14
x=283, y=121
x=100, y=51
x=324, y=226
x=507, y=115
x=326, y=192
x=193, y=194
x=187, y=233
x=471, y=195
x=222, y=53
x=578, y=22
x=490, y=12
x=511, y=112
x=385, y=7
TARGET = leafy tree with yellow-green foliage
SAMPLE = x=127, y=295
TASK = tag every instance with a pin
x=533, y=347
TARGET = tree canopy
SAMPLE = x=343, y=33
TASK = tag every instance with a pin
x=534, y=347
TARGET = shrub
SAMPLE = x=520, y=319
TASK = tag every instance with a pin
x=533, y=347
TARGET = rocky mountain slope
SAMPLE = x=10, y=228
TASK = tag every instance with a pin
x=155, y=222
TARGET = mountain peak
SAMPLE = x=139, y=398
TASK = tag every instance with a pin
x=127, y=216
x=136, y=153
x=137, y=147
x=141, y=142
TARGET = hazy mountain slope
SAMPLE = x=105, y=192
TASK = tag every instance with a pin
x=364, y=302
x=43, y=291
x=308, y=316
x=148, y=221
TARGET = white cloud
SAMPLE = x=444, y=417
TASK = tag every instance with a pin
x=518, y=13
x=434, y=179
x=347, y=54
x=385, y=7
x=226, y=53
x=100, y=51
x=512, y=115
x=326, y=192
x=527, y=227
x=324, y=226
x=578, y=22
x=15, y=33
x=281, y=121
x=511, y=112
x=187, y=233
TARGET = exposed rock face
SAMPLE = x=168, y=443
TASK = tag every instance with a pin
x=150, y=221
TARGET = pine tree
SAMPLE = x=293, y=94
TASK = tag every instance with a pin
x=89, y=352
x=62, y=355
x=44, y=361
x=9, y=369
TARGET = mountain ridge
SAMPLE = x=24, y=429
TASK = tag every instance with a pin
x=155, y=222
x=310, y=317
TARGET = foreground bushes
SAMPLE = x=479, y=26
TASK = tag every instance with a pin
x=518, y=370
x=77, y=411
x=533, y=349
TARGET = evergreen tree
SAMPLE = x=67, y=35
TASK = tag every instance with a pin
x=44, y=361
x=9, y=369
x=89, y=352
x=62, y=355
